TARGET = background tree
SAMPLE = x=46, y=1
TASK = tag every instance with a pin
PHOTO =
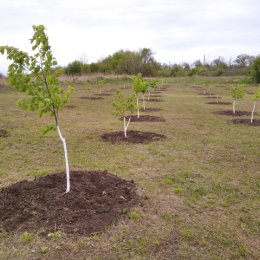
x=34, y=76
x=236, y=93
x=255, y=70
x=243, y=60
x=124, y=107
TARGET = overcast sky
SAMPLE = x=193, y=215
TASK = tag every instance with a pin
x=176, y=31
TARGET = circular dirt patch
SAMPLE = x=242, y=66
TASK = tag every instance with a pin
x=214, y=97
x=155, y=100
x=4, y=133
x=132, y=137
x=96, y=200
x=219, y=103
x=92, y=98
x=151, y=109
x=256, y=122
x=153, y=96
x=230, y=113
x=103, y=95
x=146, y=118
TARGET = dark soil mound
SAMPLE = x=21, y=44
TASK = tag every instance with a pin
x=213, y=97
x=92, y=98
x=103, y=94
x=219, y=103
x=153, y=96
x=151, y=109
x=155, y=100
x=230, y=113
x=256, y=122
x=4, y=133
x=132, y=137
x=95, y=201
x=146, y=118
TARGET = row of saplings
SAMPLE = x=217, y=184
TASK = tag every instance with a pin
x=238, y=93
x=34, y=75
x=125, y=108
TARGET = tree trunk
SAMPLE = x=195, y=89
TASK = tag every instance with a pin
x=217, y=99
x=234, y=103
x=137, y=103
x=66, y=159
x=253, y=111
x=126, y=125
x=149, y=95
x=143, y=102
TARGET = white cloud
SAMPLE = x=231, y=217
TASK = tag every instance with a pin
x=175, y=30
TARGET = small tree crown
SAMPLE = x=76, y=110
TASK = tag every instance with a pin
x=237, y=92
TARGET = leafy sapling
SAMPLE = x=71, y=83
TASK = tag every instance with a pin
x=144, y=89
x=137, y=88
x=152, y=84
x=236, y=93
x=255, y=98
x=89, y=90
x=124, y=107
x=161, y=85
x=34, y=76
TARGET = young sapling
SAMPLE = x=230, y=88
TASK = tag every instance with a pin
x=255, y=97
x=124, y=107
x=152, y=84
x=236, y=93
x=89, y=90
x=137, y=88
x=34, y=75
x=144, y=89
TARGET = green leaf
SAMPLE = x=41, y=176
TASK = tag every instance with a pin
x=49, y=128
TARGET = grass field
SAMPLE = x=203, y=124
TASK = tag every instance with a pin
x=199, y=187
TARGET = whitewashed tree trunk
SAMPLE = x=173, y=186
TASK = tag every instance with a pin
x=204, y=91
x=126, y=125
x=143, y=102
x=137, y=103
x=149, y=95
x=253, y=111
x=234, y=103
x=66, y=159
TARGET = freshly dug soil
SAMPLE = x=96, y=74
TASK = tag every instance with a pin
x=92, y=98
x=132, y=137
x=146, y=118
x=212, y=97
x=256, y=122
x=103, y=94
x=151, y=109
x=155, y=100
x=4, y=133
x=230, y=113
x=219, y=103
x=153, y=96
x=96, y=200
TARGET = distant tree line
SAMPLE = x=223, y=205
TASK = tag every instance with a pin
x=143, y=61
